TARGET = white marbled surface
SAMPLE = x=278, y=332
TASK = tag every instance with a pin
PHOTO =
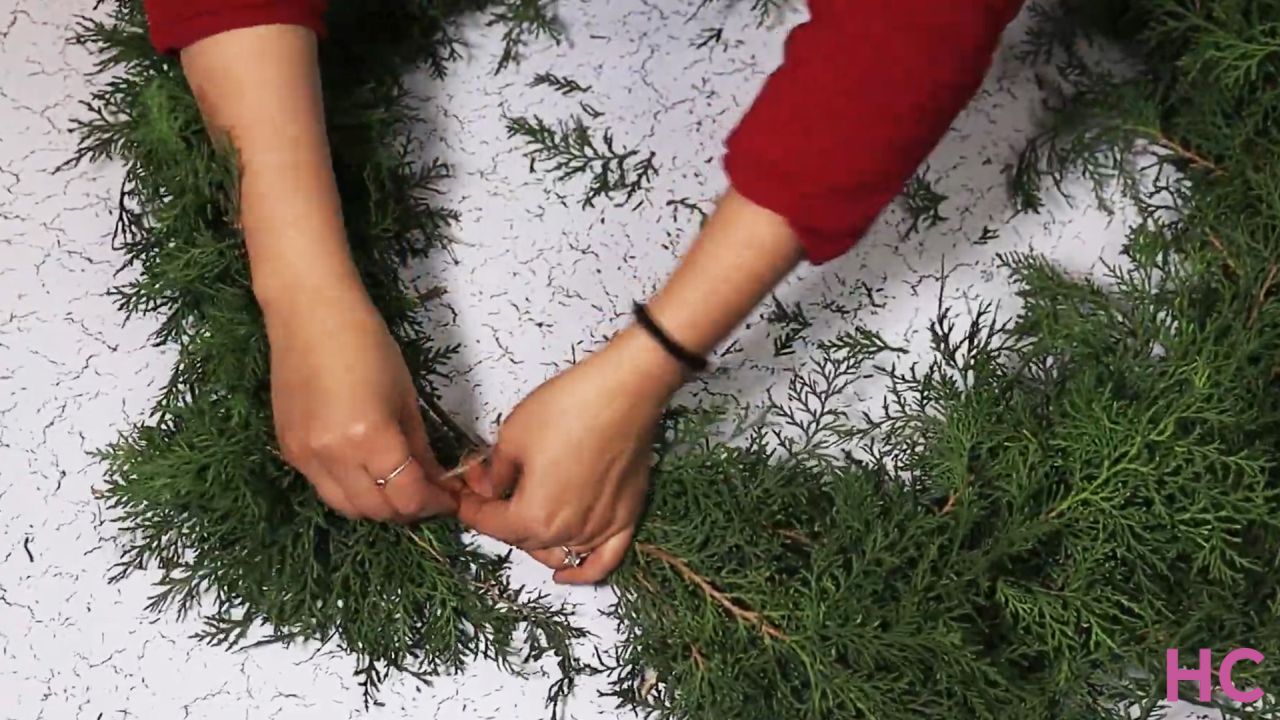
x=534, y=282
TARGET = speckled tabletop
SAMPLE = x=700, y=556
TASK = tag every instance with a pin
x=534, y=281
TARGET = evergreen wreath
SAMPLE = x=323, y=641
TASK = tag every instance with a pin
x=1037, y=513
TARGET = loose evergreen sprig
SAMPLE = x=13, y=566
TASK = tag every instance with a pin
x=563, y=85
x=523, y=21
x=791, y=322
x=569, y=149
x=923, y=203
x=229, y=530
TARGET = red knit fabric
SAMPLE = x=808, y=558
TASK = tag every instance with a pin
x=175, y=24
x=865, y=91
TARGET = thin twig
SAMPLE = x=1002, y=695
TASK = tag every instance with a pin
x=1262, y=294
x=464, y=467
x=698, y=660
x=953, y=498
x=1217, y=244
x=794, y=535
x=442, y=418
x=1168, y=143
x=1191, y=156
x=750, y=617
x=647, y=583
x=435, y=552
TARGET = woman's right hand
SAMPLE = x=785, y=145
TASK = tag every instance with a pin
x=346, y=409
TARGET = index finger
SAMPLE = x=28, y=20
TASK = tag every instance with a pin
x=415, y=434
x=415, y=496
x=496, y=518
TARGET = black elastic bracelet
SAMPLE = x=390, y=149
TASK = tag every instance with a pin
x=693, y=361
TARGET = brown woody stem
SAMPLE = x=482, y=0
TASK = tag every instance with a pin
x=749, y=617
x=1262, y=294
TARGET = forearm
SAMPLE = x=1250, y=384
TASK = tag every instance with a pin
x=259, y=88
x=866, y=89
x=742, y=253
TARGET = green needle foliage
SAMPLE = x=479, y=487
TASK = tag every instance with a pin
x=563, y=85
x=923, y=203
x=1051, y=501
x=570, y=149
x=1036, y=513
x=205, y=502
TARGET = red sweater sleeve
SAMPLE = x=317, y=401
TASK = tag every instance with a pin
x=865, y=91
x=175, y=24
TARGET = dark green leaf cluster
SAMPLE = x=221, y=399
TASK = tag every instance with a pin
x=923, y=203
x=1041, y=509
x=231, y=531
x=563, y=85
x=790, y=322
x=570, y=149
x=523, y=21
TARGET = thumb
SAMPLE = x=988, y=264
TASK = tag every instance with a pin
x=496, y=477
x=415, y=434
x=495, y=518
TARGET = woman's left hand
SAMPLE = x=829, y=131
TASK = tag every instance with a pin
x=570, y=468
x=571, y=465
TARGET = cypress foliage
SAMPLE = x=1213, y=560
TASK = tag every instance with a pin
x=1050, y=502
x=204, y=500
x=1038, y=512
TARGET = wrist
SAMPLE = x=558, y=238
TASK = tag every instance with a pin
x=287, y=290
x=644, y=366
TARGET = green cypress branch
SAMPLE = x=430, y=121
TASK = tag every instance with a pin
x=570, y=149
x=563, y=85
x=791, y=322
x=923, y=203
x=523, y=21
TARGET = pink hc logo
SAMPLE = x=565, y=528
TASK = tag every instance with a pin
x=1203, y=675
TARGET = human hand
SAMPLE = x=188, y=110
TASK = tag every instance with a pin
x=571, y=464
x=346, y=410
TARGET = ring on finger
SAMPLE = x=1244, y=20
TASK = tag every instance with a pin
x=573, y=558
x=382, y=481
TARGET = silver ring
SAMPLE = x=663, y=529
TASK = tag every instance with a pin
x=572, y=558
x=382, y=481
